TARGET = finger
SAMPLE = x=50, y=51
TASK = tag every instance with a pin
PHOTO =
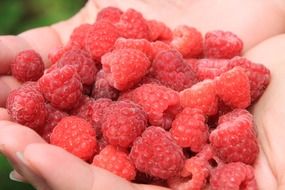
x=214, y=15
x=7, y=84
x=41, y=39
x=268, y=112
x=4, y=114
x=62, y=170
x=13, y=140
x=15, y=176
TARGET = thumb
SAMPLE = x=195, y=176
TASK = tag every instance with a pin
x=61, y=170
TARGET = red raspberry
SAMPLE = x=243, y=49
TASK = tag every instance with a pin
x=206, y=153
x=78, y=35
x=234, y=140
x=102, y=89
x=75, y=135
x=102, y=143
x=193, y=63
x=61, y=87
x=211, y=68
x=82, y=61
x=188, y=41
x=53, y=117
x=233, y=88
x=55, y=54
x=123, y=122
x=258, y=75
x=133, y=25
x=233, y=176
x=110, y=14
x=84, y=109
x=100, y=39
x=87, y=90
x=158, y=31
x=139, y=44
x=157, y=101
x=116, y=161
x=193, y=176
x=189, y=129
x=159, y=46
x=171, y=70
x=236, y=114
x=149, y=79
x=92, y=111
x=221, y=44
x=27, y=66
x=149, y=153
x=125, y=67
x=202, y=96
x=26, y=105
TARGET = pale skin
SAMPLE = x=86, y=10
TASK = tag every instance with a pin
x=260, y=24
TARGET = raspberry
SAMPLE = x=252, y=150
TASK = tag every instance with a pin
x=53, y=117
x=100, y=39
x=171, y=70
x=57, y=53
x=233, y=176
x=206, y=153
x=27, y=66
x=236, y=114
x=211, y=68
x=78, y=35
x=189, y=129
x=158, y=31
x=102, y=89
x=102, y=143
x=150, y=150
x=123, y=122
x=259, y=75
x=125, y=67
x=61, y=87
x=193, y=176
x=202, y=96
x=84, y=64
x=234, y=88
x=149, y=79
x=157, y=101
x=221, y=44
x=133, y=25
x=159, y=46
x=75, y=135
x=115, y=161
x=110, y=14
x=26, y=105
x=87, y=90
x=92, y=111
x=188, y=41
x=234, y=139
x=139, y=44
x=193, y=63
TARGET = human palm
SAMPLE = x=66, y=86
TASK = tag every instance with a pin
x=49, y=167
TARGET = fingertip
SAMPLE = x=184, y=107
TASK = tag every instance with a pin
x=4, y=114
x=15, y=176
x=70, y=172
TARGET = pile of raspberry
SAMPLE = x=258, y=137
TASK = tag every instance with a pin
x=150, y=104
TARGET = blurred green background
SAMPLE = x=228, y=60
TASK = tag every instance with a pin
x=17, y=16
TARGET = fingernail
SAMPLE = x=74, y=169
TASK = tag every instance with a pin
x=13, y=177
x=21, y=158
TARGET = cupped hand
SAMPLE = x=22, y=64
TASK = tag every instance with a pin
x=49, y=167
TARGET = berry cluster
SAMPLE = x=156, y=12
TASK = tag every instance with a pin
x=150, y=104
